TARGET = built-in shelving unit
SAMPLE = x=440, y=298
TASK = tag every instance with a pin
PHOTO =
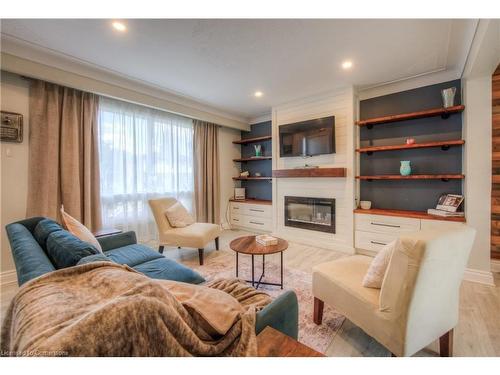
x=245, y=141
x=253, y=201
x=259, y=167
x=435, y=154
x=250, y=178
x=253, y=158
x=444, y=112
x=413, y=177
x=406, y=213
x=309, y=172
x=445, y=145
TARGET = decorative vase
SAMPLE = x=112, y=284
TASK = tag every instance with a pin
x=448, y=97
x=410, y=141
x=405, y=168
x=258, y=150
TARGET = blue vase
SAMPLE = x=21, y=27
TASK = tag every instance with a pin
x=405, y=168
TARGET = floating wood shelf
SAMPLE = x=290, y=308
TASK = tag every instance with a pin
x=413, y=177
x=251, y=140
x=444, y=112
x=443, y=144
x=252, y=201
x=262, y=178
x=254, y=158
x=405, y=213
x=309, y=172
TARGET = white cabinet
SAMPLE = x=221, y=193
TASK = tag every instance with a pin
x=251, y=216
x=372, y=232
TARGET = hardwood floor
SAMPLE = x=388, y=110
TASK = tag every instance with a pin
x=477, y=334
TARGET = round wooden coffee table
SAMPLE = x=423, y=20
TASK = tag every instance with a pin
x=248, y=245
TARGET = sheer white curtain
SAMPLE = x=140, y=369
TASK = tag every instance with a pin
x=144, y=153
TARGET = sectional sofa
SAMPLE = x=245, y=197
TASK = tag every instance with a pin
x=30, y=255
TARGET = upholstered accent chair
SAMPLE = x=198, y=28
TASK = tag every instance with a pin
x=419, y=299
x=196, y=235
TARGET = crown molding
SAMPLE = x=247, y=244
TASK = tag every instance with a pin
x=261, y=118
x=34, y=61
x=421, y=80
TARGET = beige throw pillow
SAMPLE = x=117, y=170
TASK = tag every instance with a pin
x=376, y=272
x=178, y=216
x=79, y=230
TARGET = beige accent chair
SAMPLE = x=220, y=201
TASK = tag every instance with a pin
x=196, y=235
x=418, y=301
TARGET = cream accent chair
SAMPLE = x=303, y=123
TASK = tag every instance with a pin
x=418, y=301
x=196, y=235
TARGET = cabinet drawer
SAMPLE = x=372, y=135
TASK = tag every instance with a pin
x=237, y=209
x=237, y=220
x=372, y=241
x=386, y=224
x=257, y=210
x=259, y=223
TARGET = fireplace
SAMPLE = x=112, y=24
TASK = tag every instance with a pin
x=310, y=213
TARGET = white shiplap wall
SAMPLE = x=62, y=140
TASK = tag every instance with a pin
x=339, y=103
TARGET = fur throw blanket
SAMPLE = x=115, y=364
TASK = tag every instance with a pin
x=105, y=309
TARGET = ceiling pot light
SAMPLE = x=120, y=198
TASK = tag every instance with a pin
x=258, y=94
x=119, y=26
x=347, y=64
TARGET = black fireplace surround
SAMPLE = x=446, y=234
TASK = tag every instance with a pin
x=310, y=213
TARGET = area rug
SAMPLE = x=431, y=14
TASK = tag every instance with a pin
x=222, y=264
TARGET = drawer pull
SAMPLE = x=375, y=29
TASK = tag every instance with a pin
x=253, y=209
x=236, y=219
x=378, y=243
x=236, y=208
x=255, y=222
x=386, y=225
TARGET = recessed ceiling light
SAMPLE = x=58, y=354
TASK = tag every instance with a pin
x=258, y=94
x=347, y=64
x=119, y=26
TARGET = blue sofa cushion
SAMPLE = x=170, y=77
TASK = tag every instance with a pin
x=43, y=229
x=31, y=261
x=93, y=258
x=65, y=249
x=168, y=269
x=132, y=255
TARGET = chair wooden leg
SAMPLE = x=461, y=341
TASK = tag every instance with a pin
x=216, y=243
x=318, y=311
x=446, y=344
x=393, y=355
x=160, y=249
x=200, y=255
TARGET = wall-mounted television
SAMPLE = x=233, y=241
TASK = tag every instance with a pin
x=308, y=138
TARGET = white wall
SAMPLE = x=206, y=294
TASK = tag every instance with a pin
x=483, y=59
x=14, y=167
x=339, y=103
x=228, y=169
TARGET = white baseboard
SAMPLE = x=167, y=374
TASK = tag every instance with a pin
x=479, y=276
x=495, y=265
x=8, y=277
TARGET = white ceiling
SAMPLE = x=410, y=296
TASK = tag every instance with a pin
x=223, y=62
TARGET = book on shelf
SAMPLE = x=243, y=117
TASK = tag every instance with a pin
x=266, y=240
x=443, y=213
x=449, y=202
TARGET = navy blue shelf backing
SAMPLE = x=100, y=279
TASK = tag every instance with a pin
x=410, y=194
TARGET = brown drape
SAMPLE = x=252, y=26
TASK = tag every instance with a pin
x=206, y=171
x=63, y=161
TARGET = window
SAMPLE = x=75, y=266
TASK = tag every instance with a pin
x=144, y=153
